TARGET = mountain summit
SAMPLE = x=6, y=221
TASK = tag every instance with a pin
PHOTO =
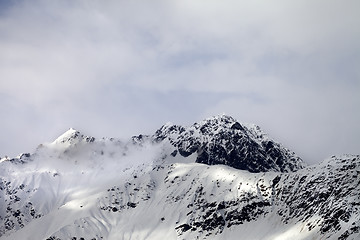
x=216, y=179
x=72, y=137
x=223, y=140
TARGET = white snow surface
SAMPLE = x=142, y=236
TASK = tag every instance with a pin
x=79, y=187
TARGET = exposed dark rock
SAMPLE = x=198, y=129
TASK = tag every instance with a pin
x=222, y=140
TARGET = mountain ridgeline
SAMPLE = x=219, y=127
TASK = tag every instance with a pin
x=215, y=179
x=223, y=140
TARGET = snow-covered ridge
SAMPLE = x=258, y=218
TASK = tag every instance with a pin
x=217, y=140
x=158, y=187
x=185, y=201
x=72, y=137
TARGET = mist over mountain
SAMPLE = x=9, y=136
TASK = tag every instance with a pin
x=215, y=179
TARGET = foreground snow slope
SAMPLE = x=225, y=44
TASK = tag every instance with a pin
x=155, y=187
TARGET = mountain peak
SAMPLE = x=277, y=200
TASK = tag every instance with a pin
x=67, y=136
x=223, y=140
x=72, y=136
x=222, y=119
x=92, y=189
x=218, y=122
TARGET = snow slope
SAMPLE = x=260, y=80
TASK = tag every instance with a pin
x=158, y=187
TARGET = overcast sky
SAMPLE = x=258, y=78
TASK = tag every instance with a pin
x=121, y=68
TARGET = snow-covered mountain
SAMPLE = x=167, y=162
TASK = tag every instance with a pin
x=216, y=179
x=223, y=140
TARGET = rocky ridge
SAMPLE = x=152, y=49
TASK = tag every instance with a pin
x=223, y=140
x=213, y=180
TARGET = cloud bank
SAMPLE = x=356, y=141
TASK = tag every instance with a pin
x=120, y=68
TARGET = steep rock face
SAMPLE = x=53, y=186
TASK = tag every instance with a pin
x=223, y=140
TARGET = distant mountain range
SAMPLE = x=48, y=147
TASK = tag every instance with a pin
x=215, y=179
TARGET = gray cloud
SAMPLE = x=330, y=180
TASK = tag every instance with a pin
x=125, y=68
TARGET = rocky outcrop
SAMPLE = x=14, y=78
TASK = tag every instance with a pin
x=223, y=140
